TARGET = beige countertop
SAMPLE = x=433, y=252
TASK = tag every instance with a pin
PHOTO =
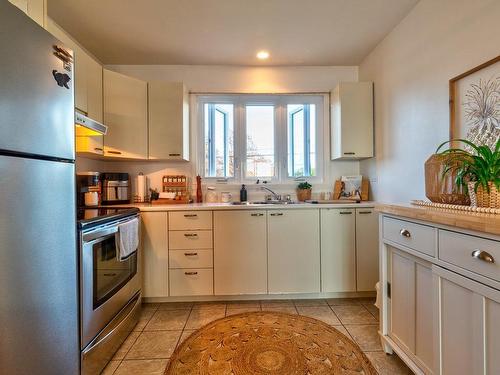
x=481, y=222
x=228, y=206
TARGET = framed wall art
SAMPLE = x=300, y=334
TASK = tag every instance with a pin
x=475, y=104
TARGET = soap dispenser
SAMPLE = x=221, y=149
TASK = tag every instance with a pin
x=243, y=194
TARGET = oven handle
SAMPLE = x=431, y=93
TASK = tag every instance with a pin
x=128, y=310
x=104, y=230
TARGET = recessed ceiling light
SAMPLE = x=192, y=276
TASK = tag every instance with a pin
x=262, y=55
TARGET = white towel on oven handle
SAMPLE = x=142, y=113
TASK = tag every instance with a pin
x=127, y=239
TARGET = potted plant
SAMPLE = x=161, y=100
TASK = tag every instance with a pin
x=478, y=172
x=304, y=190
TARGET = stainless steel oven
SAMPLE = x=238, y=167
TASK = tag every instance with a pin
x=110, y=293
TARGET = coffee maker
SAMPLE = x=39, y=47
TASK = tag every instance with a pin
x=115, y=188
x=88, y=188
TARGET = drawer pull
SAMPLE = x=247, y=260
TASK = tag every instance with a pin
x=364, y=212
x=349, y=153
x=190, y=235
x=190, y=254
x=190, y=273
x=277, y=214
x=345, y=212
x=115, y=152
x=256, y=214
x=174, y=154
x=405, y=233
x=483, y=255
x=190, y=215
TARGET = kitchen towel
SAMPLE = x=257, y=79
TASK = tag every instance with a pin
x=127, y=239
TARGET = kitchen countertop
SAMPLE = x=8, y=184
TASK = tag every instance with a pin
x=481, y=222
x=227, y=206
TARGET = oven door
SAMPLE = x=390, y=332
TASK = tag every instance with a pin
x=108, y=284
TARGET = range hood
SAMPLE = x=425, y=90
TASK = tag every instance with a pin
x=85, y=126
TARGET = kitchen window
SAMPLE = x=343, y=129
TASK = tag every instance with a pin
x=272, y=138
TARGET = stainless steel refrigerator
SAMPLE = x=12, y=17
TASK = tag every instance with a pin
x=38, y=254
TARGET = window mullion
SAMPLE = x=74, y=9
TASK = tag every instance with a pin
x=211, y=143
x=307, y=141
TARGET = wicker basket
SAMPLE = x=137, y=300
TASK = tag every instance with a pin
x=485, y=199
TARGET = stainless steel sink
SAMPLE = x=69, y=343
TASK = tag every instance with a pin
x=271, y=202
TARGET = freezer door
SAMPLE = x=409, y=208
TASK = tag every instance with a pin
x=36, y=114
x=38, y=268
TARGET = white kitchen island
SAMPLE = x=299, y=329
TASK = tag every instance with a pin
x=440, y=284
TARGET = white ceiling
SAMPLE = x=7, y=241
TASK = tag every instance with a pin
x=229, y=32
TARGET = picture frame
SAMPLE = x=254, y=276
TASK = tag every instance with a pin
x=470, y=93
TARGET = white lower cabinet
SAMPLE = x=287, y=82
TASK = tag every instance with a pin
x=155, y=254
x=338, y=250
x=411, y=314
x=191, y=282
x=367, y=273
x=240, y=252
x=293, y=251
x=469, y=325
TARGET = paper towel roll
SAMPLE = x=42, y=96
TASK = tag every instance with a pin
x=141, y=186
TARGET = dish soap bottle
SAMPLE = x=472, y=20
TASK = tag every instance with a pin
x=243, y=194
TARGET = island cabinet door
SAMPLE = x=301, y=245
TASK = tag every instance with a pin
x=293, y=251
x=240, y=252
x=468, y=325
x=411, y=314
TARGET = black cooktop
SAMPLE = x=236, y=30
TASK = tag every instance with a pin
x=90, y=217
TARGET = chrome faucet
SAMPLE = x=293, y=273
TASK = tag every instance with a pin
x=273, y=194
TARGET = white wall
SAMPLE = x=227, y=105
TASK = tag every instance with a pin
x=234, y=79
x=411, y=67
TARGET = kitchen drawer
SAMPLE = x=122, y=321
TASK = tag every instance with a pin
x=191, y=282
x=415, y=236
x=190, y=259
x=459, y=249
x=189, y=220
x=191, y=239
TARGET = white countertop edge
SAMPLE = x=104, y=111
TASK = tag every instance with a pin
x=146, y=207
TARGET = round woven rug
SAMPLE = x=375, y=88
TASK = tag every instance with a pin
x=268, y=343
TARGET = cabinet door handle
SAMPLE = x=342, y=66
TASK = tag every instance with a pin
x=115, y=152
x=483, y=255
x=277, y=214
x=190, y=235
x=174, y=154
x=405, y=233
x=345, y=212
x=98, y=149
x=256, y=214
x=190, y=215
x=190, y=254
x=364, y=212
x=190, y=273
x=349, y=153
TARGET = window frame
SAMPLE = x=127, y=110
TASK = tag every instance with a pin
x=281, y=129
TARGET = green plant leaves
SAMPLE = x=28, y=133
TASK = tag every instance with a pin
x=480, y=167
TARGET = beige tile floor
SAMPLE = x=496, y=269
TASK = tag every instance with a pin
x=164, y=326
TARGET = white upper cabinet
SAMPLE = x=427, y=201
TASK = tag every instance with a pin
x=352, y=121
x=293, y=251
x=87, y=75
x=126, y=115
x=240, y=252
x=168, y=134
x=35, y=9
x=338, y=250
